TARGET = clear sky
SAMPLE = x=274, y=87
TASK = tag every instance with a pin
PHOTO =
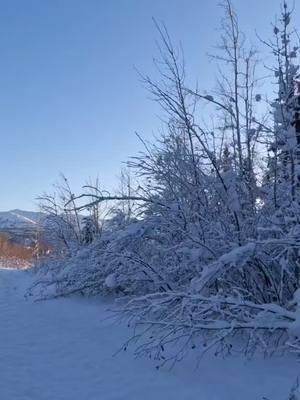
x=70, y=98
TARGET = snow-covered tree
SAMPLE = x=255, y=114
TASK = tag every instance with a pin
x=207, y=244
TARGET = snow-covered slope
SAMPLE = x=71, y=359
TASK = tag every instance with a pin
x=18, y=219
x=65, y=349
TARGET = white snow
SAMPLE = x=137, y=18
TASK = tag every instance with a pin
x=294, y=330
x=64, y=350
x=110, y=281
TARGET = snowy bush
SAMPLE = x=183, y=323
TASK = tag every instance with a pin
x=206, y=252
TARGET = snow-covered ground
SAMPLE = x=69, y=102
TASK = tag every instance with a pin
x=64, y=350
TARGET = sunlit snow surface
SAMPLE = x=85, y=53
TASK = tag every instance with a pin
x=63, y=350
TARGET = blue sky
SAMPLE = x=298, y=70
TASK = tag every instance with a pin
x=70, y=98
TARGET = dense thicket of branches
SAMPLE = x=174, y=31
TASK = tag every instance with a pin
x=206, y=243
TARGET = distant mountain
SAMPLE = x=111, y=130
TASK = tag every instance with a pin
x=19, y=219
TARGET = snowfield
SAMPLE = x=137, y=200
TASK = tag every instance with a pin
x=64, y=350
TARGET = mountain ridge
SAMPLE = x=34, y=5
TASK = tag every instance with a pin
x=17, y=218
